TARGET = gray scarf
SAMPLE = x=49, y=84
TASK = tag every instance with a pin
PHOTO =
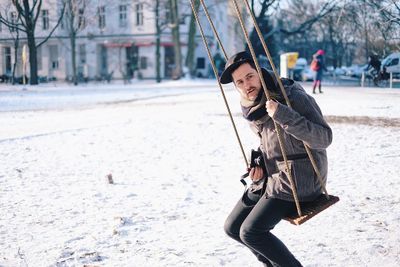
x=255, y=110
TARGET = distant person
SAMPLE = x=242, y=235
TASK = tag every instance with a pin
x=318, y=66
x=269, y=198
x=374, y=64
x=219, y=63
x=375, y=71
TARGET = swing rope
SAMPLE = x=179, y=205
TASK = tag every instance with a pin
x=216, y=75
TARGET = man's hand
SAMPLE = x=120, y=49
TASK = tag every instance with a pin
x=256, y=174
x=271, y=106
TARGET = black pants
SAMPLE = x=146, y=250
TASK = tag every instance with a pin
x=250, y=223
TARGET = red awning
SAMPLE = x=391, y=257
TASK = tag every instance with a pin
x=139, y=44
x=113, y=45
x=171, y=44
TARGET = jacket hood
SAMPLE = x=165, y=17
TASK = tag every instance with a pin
x=273, y=86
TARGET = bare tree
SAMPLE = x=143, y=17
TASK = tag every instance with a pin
x=158, y=41
x=265, y=8
x=29, y=12
x=167, y=17
x=77, y=17
x=174, y=25
x=389, y=9
x=387, y=22
x=375, y=25
x=189, y=62
x=282, y=27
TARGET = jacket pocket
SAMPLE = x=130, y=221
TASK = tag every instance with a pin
x=303, y=176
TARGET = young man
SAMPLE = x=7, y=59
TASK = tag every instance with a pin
x=269, y=198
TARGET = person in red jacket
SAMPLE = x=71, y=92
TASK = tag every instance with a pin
x=318, y=66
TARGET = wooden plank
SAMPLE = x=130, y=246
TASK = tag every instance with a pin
x=310, y=209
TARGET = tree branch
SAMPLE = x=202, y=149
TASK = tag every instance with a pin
x=325, y=10
x=20, y=11
x=37, y=11
x=11, y=25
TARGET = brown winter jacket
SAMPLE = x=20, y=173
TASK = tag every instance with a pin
x=302, y=122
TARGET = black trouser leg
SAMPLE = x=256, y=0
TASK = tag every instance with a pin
x=255, y=231
x=235, y=220
x=251, y=225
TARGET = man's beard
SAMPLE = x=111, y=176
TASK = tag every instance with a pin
x=254, y=92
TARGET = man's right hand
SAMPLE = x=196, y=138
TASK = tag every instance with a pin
x=256, y=174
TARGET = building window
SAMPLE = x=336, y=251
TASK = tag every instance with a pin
x=393, y=62
x=122, y=16
x=102, y=17
x=53, y=50
x=139, y=14
x=82, y=53
x=143, y=63
x=45, y=19
x=81, y=18
x=103, y=60
x=7, y=57
x=13, y=20
x=168, y=16
x=201, y=63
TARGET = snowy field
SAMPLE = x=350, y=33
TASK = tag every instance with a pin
x=176, y=164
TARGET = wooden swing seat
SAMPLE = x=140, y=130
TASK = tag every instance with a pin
x=312, y=208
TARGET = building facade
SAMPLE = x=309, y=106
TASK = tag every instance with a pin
x=115, y=39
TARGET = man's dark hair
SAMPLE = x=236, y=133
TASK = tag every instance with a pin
x=251, y=63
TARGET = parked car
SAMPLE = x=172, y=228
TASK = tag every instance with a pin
x=308, y=74
x=392, y=63
x=301, y=64
x=336, y=71
x=355, y=70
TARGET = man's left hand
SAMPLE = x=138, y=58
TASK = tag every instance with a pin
x=271, y=106
x=256, y=174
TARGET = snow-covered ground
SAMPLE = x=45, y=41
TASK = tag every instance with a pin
x=176, y=164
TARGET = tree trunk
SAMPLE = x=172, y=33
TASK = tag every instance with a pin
x=333, y=45
x=30, y=35
x=176, y=39
x=365, y=31
x=190, y=64
x=32, y=58
x=72, y=15
x=29, y=16
x=16, y=45
x=158, y=43
x=73, y=57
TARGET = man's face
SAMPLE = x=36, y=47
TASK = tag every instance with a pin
x=247, y=81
